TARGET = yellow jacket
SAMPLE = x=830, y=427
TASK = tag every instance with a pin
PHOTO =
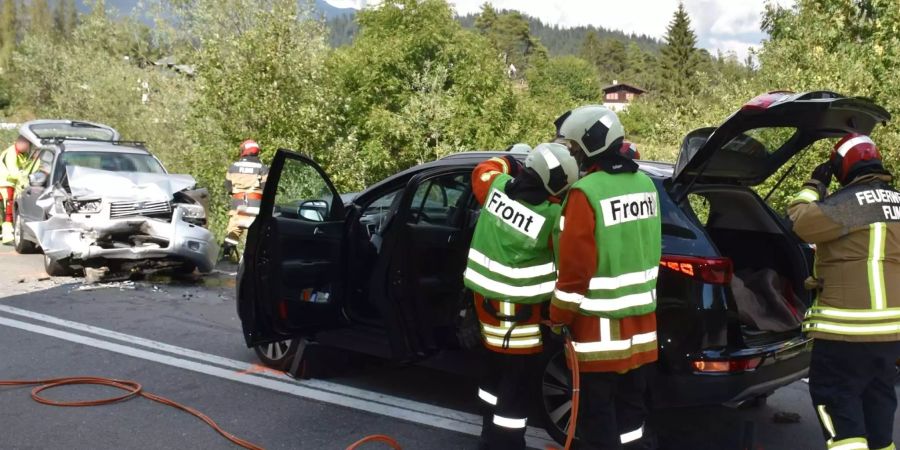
x=11, y=165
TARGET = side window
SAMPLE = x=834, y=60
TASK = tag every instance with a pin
x=441, y=200
x=303, y=193
x=45, y=164
x=377, y=213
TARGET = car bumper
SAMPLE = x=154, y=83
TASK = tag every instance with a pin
x=65, y=237
x=780, y=366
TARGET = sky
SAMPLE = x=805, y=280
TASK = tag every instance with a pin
x=726, y=25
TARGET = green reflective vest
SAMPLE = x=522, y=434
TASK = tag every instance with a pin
x=628, y=233
x=510, y=258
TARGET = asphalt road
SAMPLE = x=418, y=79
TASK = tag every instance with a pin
x=183, y=341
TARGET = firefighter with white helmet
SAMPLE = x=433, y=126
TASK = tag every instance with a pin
x=512, y=273
x=608, y=250
x=855, y=319
x=244, y=183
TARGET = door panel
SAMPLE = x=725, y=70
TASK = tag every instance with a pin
x=289, y=285
x=428, y=259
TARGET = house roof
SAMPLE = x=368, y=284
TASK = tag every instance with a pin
x=616, y=86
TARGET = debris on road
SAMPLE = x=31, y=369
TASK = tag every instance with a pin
x=121, y=285
x=94, y=276
x=786, y=417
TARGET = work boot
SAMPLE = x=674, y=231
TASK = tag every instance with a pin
x=7, y=232
x=230, y=252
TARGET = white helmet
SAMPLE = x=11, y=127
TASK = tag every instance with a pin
x=594, y=128
x=554, y=165
x=519, y=148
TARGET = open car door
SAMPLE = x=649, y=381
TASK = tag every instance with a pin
x=428, y=243
x=289, y=280
x=766, y=133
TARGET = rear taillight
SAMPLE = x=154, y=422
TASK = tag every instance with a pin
x=728, y=366
x=709, y=270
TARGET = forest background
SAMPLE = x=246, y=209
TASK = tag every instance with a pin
x=383, y=89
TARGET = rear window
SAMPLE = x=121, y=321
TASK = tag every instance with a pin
x=760, y=142
x=115, y=162
x=74, y=131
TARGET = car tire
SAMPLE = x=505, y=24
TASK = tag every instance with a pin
x=555, y=393
x=22, y=245
x=278, y=355
x=57, y=268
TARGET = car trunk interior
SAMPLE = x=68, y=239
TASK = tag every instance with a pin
x=770, y=265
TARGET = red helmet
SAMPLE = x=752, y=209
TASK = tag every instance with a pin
x=22, y=145
x=853, y=152
x=249, y=148
x=629, y=150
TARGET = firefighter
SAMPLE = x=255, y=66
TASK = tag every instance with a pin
x=12, y=162
x=244, y=183
x=512, y=274
x=608, y=252
x=855, y=319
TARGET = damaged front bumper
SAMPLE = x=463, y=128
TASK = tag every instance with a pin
x=83, y=237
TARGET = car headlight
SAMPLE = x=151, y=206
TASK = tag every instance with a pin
x=192, y=211
x=87, y=206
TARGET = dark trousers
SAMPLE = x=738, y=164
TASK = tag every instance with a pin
x=613, y=410
x=508, y=385
x=852, y=389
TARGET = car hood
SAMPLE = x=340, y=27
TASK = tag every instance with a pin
x=734, y=153
x=87, y=183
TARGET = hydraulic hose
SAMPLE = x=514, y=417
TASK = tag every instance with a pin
x=572, y=359
x=132, y=389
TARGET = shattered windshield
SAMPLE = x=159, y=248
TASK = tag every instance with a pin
x=73, y=130
x=116, y=162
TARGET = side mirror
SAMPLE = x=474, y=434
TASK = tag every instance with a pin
x=37, y=179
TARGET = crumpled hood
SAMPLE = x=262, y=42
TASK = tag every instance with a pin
x=134, y=186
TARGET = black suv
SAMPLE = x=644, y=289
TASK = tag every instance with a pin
x=382, y=273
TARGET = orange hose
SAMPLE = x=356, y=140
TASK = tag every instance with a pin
x=131, y=388
x=576, y=389
x=376, y=438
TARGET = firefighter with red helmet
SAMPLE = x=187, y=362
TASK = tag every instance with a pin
x=608, y=251
x=511, y=271
x=244, y=183
x=855, y=319
x=12, y=162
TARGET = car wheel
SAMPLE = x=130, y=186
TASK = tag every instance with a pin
x=556, y=396
x=56, y=267
x=278, y=355
x=21, y=244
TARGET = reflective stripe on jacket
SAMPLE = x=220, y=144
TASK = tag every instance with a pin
x=609, y=246
x=857, y=235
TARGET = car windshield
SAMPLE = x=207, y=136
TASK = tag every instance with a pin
x=116, y=162
x=74, y=130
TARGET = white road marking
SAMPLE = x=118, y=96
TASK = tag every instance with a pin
x=324, y=391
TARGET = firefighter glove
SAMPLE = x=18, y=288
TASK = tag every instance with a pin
x=822, y=173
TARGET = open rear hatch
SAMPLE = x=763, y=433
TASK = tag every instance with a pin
x=766, y=133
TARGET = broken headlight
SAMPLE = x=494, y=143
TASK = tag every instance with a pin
x=87, y=206
x=192, y=211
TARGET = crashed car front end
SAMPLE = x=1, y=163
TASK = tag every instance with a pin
x=156, y=219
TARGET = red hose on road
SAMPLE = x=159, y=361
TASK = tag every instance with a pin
x=131, y=388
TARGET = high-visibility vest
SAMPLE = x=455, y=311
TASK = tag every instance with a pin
x=628, y=233
x=11, y=164
x=510, y=257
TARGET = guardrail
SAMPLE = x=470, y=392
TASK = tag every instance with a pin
x=8, y=126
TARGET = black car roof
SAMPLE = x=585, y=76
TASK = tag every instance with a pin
x=654, y=169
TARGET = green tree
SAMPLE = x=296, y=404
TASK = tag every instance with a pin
x=9, y=24
x=679, y=58
x=65, y=17
x=428, y=88
x=510, y=33
x=40, y=18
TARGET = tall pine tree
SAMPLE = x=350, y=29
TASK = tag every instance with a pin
x=679, y=59
x=40, y=18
